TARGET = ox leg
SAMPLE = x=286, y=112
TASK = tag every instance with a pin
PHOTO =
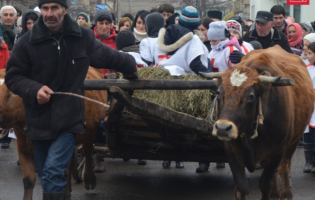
x=26, y=157
x=275, y=192
x=284, y=171
x=268, y=176
x=239, y=175
x=89, y=176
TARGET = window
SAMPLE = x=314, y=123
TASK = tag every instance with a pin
x=297, y=13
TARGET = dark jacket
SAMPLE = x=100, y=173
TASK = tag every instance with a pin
x=8, y=36
x=278, y=38
x=36, y=61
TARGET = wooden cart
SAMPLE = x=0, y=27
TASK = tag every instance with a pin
x=138, y=129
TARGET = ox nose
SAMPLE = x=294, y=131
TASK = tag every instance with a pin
x=223, y=130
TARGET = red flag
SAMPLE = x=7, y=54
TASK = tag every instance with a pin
x=298, y=2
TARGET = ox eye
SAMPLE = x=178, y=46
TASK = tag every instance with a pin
x=250, y=97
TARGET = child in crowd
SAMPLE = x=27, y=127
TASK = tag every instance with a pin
x=153, y=23
x=179, y=49
x=308, y=39
x=219, y=37
x=235, y=29
x=309, y=137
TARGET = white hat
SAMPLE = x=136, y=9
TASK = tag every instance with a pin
x=37, y=9
x=216, y=30
x=19, y=21
x=310, y=37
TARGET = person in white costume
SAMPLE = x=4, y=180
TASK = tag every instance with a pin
x=179, y=50
x=309, y=137
x=222, y=47
x=308, y=39
x=235, y=29
x=153, y=23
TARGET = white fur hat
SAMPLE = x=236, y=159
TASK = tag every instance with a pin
x=216, y=30
x=310, y=37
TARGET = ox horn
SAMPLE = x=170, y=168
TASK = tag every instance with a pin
x=269, y=79
x=212, y=74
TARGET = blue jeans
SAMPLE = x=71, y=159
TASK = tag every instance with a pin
x=52, y=158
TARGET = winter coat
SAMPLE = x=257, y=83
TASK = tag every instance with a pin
x=275, y=38
x=4, y=55
x=109, y=41
x=60, y=62
x=8, y=36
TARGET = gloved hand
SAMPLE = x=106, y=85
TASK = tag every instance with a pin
x=134, y=75
x=236, y=57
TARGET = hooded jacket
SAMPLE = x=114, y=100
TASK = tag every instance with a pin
x=8, y=36
x=24, y=28
x=59, y=61
x=275, y=37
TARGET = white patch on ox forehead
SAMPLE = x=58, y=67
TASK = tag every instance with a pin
x=1, y=81
x=237, y=79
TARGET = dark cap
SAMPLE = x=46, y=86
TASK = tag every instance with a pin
x=215, y=14
x=264, y=17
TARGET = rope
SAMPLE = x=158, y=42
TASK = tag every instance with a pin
x=260, y=119
x=81, y=97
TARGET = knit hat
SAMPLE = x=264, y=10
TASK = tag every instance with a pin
x=105, y=13
x=307, y=26
x=82, y=14
x=215, y=14
x=310, y=37
x=124, y=39
x=129, y=16
x=216, y=30
x=234, y=25
x=62, y=2
x=153, y=23
x=190, y=17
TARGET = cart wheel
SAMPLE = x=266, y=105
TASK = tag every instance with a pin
x=79, y=165
x=126, y=159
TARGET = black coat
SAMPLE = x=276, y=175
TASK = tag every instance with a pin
x=36, y=61
x=279, y=38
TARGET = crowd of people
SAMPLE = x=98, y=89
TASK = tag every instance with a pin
x=179, y=43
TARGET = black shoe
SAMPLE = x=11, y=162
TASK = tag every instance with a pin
x=142, y=162
x=166, y=164
x=301, y=144
x=5, y=145
x=203, y=167
x=220, y=165
x=18, y=162
x=179, y=164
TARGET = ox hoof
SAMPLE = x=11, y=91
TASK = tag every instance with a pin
x=89, y=182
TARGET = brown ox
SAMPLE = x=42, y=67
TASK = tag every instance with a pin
x=12, y=116
x=286, y=112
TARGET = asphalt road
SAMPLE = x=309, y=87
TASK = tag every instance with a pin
x=129, y=181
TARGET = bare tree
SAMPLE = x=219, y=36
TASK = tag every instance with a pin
x=204, y=5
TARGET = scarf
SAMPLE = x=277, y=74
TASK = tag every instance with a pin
x=139, y=36
x=220, y=46
x=297, y=39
